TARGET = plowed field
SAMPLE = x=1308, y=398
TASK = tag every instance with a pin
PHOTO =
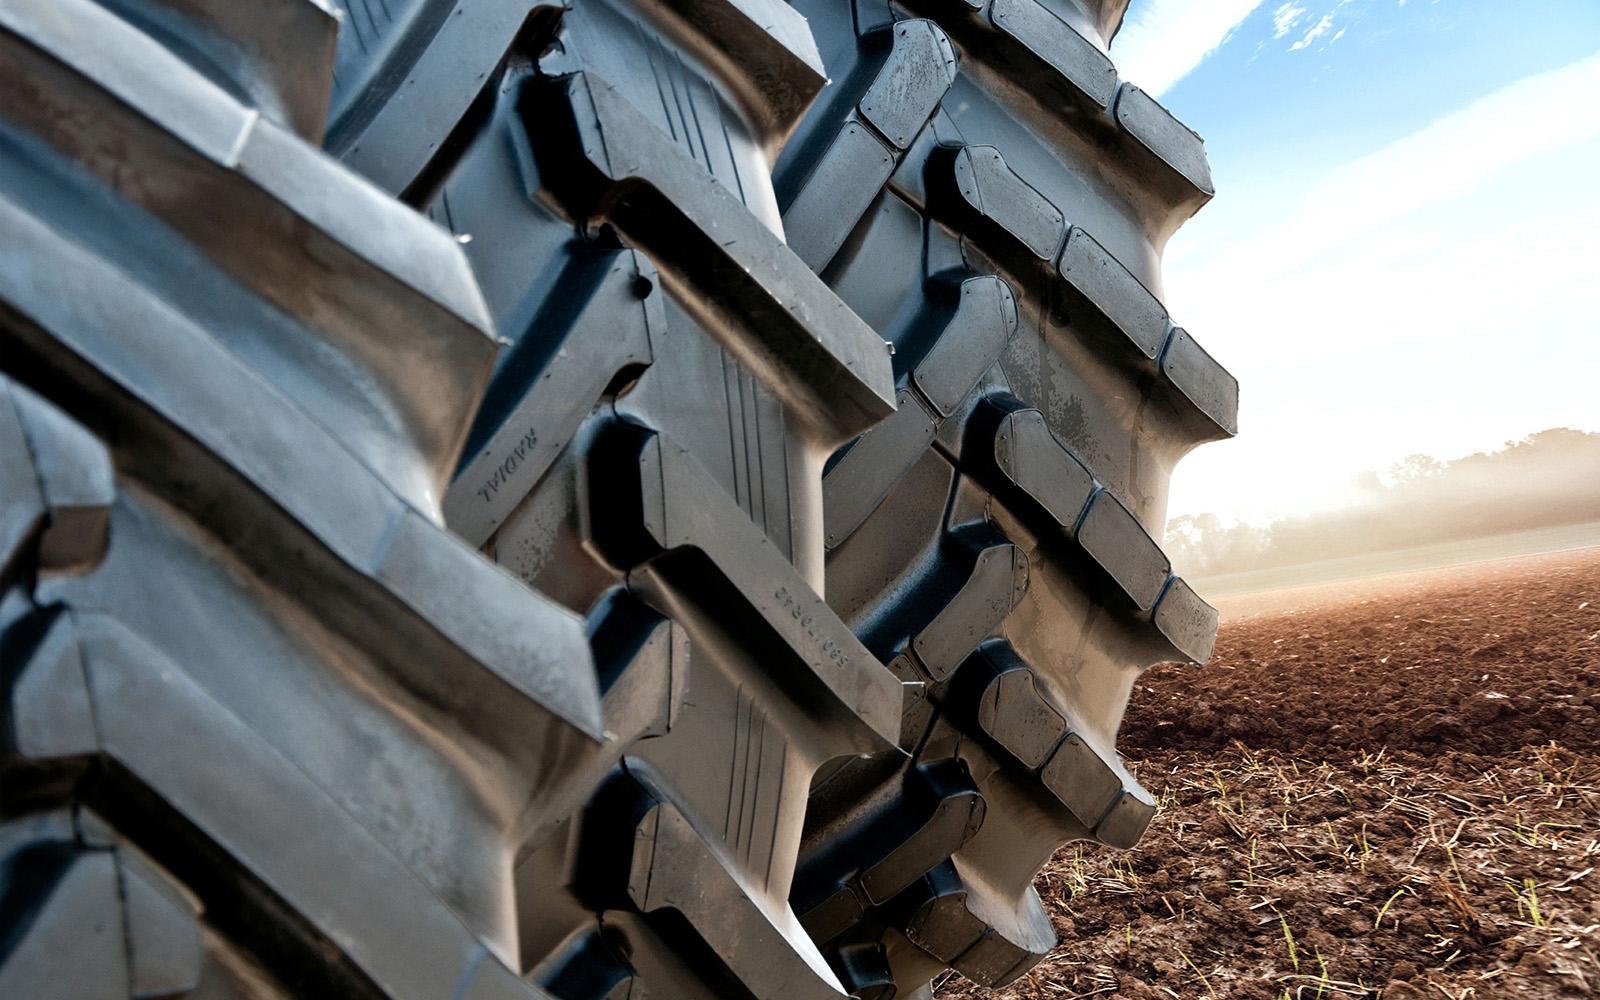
x=1385, y=788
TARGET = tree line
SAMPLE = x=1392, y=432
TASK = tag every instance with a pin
x=1547, y=479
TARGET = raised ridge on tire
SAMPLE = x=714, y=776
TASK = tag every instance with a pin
x=294, y=524
x=650, y=756
x=1050, y=452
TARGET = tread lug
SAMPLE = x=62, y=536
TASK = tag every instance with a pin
x=904, y=94
x=987, y=190
x=1119, y=543
x=670, y=865
x=1187, y=621
x=1034, y=460
x=617, y=328
x=1173, y=143
x=1206, y=384
x=683, y=507
x=982, y=328
x=874, y=465
x=810, y=348
x=1058, y=45
x=841, y=189
x=998, y=581
x=1112, y=291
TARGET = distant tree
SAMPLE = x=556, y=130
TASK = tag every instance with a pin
x=1414, y=469
x=1545, y=479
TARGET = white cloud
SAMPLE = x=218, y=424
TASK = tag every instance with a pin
x=1162, y=40
x=1534, y=116
x=1435, y=296
x=1285, y=18
x=1316, y=32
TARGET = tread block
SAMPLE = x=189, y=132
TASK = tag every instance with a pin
x=1082, y=781
x=847, y=179
x=1113, y=291
x=833, y=916
x=1036, y=462
x=982, y=328
x=1042, y=54
x=1013, y=713
x=49, y=705
x=73, y=947
x=75, y=480
x=864, y=971
x=1128, y=819
x=984, y=322
x=22, y=508
x=432, y=81
x=998, y=581
x=772, y=46
x=992, y=191
x=671, y=867
x=1019, y=933
x=940, y=923
x=397, y=96
x=641, y=659
x=617, y=328
x=903, y=96
x=684, y=507
x=892, y=840
x=1187, y=621
x=855, y=486
x=1172, y=142
x=807, y=345
x=1055, y=43
x=956, y=818
x=189, y=750
x=1209, y=386
x=1119, y=543
x=388, y=291
x=382, y=553
x=838, y=193
x=987, y=939
x=286, y=45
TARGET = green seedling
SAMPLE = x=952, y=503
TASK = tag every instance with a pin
x=1202, y=975
x=1385, y=908
x=1288, y=937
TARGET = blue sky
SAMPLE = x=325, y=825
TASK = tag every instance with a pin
x=1404, y=251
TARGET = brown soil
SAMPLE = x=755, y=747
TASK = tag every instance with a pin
x=1387, y=788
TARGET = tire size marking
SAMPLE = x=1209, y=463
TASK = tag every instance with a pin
x=811, y=623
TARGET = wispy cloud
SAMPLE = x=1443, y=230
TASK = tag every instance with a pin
x=1285, y=18
x=1534, y=116
x=1322, y=27
x=1162, y=40
x=1316, y=32
x=1435, y=295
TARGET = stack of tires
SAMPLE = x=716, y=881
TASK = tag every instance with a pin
x=508, y=499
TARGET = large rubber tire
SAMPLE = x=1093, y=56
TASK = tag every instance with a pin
x=274, y=726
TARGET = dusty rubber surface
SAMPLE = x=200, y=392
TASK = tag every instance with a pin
x=1404, y=795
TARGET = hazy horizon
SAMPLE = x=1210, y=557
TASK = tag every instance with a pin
x=1400, y=257
x=1457, y=509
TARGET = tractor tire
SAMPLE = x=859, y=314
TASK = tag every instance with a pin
x=391, y=607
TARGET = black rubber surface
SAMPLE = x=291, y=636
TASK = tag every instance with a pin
x=641, y=496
